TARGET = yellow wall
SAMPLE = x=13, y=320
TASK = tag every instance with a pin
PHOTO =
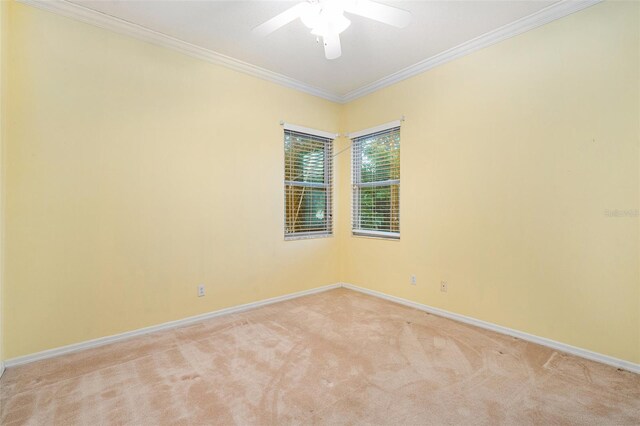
x=3, y=41
x=510, y=157
x=133, y=173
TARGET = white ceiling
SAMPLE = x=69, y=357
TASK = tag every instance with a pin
x=370, y=50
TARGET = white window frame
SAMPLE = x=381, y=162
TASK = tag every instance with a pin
x=328, y=183
x=356, y=184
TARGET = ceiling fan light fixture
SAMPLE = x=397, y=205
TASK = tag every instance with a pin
x=336, y=25
x=326, y=19
x=311, y=16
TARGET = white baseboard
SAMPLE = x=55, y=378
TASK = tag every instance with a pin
x=562, y=347
x=1, y=368
x=584, y=353
x=94, y=343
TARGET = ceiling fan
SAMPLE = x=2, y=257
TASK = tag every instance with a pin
x=326, y=19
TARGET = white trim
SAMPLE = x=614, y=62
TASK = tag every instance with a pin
x=94, y=343
x=375, y=129
x=296, y=237
x=535, y=20
x=2, y=368
x=563, y=347
x=394, y=236
x=309, y=131
x=102, y=20
x=583, y=353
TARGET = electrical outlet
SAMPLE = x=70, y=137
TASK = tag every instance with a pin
x=200, y=290
x=443, y=286
x=413, y=280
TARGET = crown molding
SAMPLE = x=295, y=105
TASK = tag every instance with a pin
x=102, y=20
x=537, y=19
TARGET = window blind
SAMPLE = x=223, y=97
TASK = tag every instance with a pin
x=376, y=184
x=308, y=180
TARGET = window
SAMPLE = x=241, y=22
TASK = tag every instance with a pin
x=376, y=182
x=308, y=177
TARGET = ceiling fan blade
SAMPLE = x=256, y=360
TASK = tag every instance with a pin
x=379, y=12
x=281, y=20
x=332, y=48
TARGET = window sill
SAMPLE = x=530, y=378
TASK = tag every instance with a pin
x=306, y=237
x=378, y=235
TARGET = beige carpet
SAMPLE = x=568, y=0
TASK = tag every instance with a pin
x=338, y=357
